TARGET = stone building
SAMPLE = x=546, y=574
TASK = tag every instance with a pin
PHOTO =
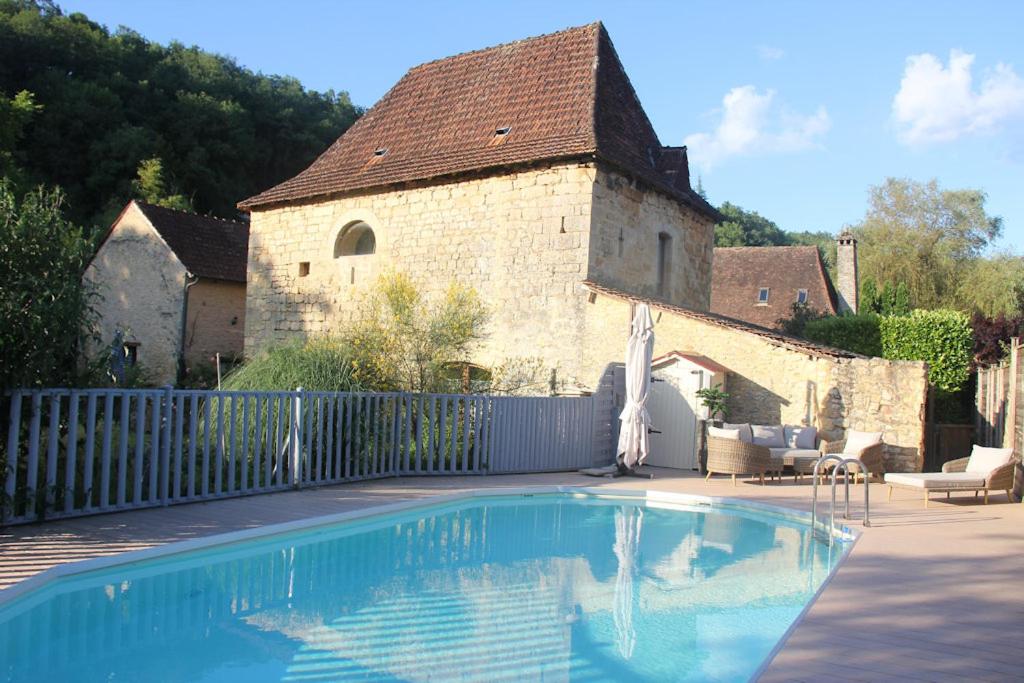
x=760, y=284
x=530, y=172
x=520, y=170
x=172, y=284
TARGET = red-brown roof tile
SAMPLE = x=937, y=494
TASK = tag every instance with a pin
x=771, y=336
x=564, y=96
x=207, y=246
x=738, y=274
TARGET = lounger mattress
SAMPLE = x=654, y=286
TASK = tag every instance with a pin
x=936, y=480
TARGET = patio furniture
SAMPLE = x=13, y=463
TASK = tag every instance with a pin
x=866, y=447
x=732, y=456
x=987, y=469
x=801, y=464
x=786, y=444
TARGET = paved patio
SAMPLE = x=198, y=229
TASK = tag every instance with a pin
x=926, y=595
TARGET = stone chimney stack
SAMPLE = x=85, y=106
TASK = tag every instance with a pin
x=847, y=285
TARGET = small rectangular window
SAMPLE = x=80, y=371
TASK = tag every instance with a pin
x=801, y=296
x=762, y=295
x=664, y=263
x=303, y=268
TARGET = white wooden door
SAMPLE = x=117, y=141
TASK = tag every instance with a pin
x=671, y=407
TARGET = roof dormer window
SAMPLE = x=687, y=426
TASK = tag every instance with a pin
x=500, y=135
x=801, y=296
x=762, y=295
x=380, y=151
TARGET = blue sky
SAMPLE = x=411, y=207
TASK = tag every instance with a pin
x=792, y=109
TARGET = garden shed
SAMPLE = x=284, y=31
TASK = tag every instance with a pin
x=675, y=410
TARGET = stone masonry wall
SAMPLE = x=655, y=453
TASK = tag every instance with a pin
x=525, y=241
x=624, y=243
x=521, y=240
x=772, y=384
x=216, y=321
x=140, y=283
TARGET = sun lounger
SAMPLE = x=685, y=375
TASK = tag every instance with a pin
x=987, y=469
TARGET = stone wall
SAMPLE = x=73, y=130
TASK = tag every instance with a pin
x=627, y=220
x=524, y=241
x=140, y=283
x=769, y=383
x=216, y=321
x=520, y=240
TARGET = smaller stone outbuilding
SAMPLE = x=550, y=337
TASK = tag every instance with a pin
x=171, y=286
x=759, y=285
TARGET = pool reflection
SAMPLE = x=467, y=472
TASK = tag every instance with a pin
x=545, y=588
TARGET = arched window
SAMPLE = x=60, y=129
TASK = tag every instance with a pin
x=355, y=239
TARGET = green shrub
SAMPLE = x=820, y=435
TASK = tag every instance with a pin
x=320, y=364
x=942, y=338
x=856, y=333
x=44, y=305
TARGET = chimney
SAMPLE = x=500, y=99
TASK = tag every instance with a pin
x=847, y=285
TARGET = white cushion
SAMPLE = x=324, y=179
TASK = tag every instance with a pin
x=858, y=441
x=801, y=437
x=731, y=434
x=936, y=480
x=771, y=436
x=789, y=453
x=745, y=434
x=983, y=460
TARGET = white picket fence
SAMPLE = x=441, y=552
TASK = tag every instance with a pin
x=80, y=452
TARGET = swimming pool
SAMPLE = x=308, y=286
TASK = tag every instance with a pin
x=563, y=585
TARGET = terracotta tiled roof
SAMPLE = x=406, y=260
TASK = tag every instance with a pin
x=562, y=96
x=771, y=336
x=208, y=247
x=695, y=358
x=738, y=274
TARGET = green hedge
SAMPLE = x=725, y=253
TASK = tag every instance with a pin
x=857, y=333
x=942, y=338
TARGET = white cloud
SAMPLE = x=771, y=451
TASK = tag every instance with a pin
x=936, y=103
x=769, y=53
x=752, y=122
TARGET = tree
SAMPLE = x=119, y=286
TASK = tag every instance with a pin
x=870, y=300
x=800, y=315
x=150, y=187
x=924, y=236
x=44, y=304
x=993, y=286
x=406, y=341
x=111, y=101
x=742, y=228
x=15, y=114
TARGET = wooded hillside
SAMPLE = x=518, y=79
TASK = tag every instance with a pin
x=88, y=109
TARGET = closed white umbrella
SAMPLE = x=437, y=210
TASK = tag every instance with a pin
x=634, y=441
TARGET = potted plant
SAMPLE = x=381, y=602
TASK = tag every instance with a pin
x=714, y=399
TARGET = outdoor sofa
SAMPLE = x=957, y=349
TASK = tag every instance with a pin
x=986, y=469
x=775, y=447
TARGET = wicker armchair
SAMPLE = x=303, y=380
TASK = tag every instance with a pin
x=870, y=456
x=728, y=456
x=999, y=479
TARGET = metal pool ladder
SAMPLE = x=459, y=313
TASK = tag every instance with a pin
x=843, y=465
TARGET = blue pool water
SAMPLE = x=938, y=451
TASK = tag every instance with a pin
x=548, y=587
